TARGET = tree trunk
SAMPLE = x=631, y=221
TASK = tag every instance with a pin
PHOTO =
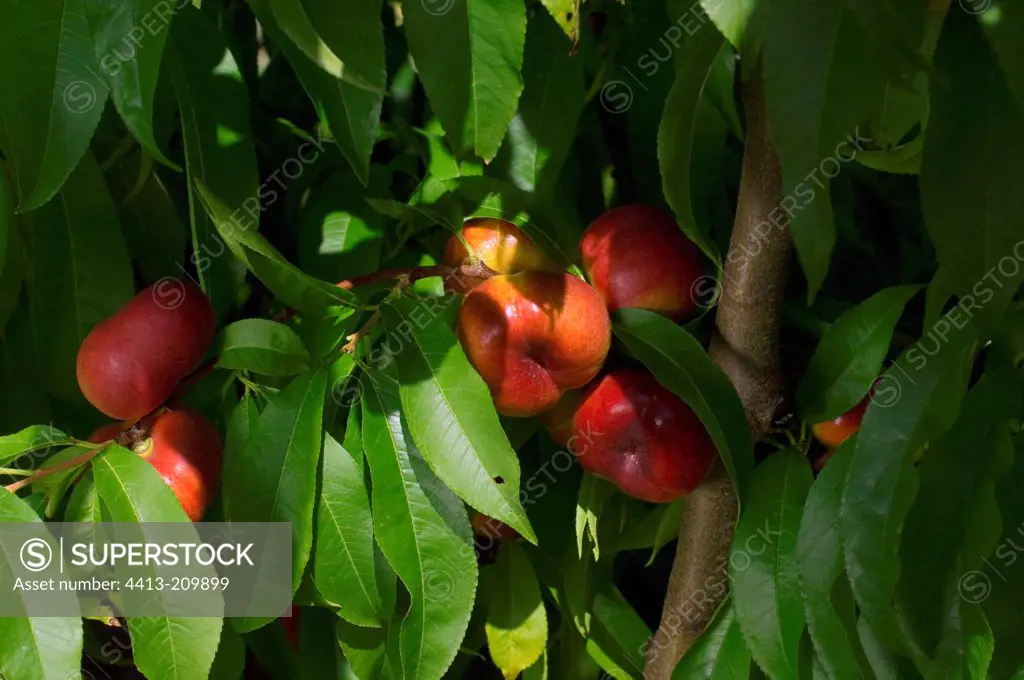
x=744, y=345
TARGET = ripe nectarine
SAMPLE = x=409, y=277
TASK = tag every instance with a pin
x=488, y=527
x=131, y=362
x=651, y=445
x=834, y=432
x=558, y=419
x=532, y=336
x=186, y=450
x=500, y=245
x=637, y=256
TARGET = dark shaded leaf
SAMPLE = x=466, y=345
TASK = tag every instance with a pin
x=767, y=596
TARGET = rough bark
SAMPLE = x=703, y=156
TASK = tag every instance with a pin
x=744, y=345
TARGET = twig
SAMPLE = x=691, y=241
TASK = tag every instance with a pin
x=745, y=347
x=60, y=467
x=472, y=268
x=353, y=340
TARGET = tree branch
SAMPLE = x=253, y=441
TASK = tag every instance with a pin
x=744, y=345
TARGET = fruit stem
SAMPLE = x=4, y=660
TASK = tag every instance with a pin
x=46, y=472
x=472, y=268
x=353, y=340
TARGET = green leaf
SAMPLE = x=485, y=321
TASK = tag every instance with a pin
x=351, y=49
x=34, y=648
x=295, y=288
x=884, y=662
x=567, y=15
x=31, y=439
x=540, y=135
x=129, y=41
x=468, y=55
x=680, y=364
x=719, y=653
x=80, y=272
x=153, y=229
x=593, y=494
x=1002, y=21
x=970, y=173
x=240, y=424
x=340, y=235
x=21, y=397
x=954, y=522
x=218, y=147
x=344, y=559
x=262, y=346
x=51, y=97
x=617, y=634
x=274, y=478
x=364, y=649
x=163, y=646
x=915, y=401
x=654, y=530
x=423, y=531
x=450, y=412
x=821, y=79
x=819, y=555
x=12, y=255
x=229, y=664
x=84, y=503
x=767, y=595
x=850, y=354
x=517, y=624
x=132, y=490
x=349, y=105
x=1007, y=583
x=677, y=137
x=743, y=23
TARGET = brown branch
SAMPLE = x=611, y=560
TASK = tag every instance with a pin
x=745, y=347
x=473, y=269
x=46, y=472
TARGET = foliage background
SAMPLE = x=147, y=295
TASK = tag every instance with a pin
x=269, y=149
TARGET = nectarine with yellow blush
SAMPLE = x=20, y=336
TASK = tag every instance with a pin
x=500, y=245
x=532, y=336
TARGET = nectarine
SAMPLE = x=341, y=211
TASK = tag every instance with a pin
x=488, y=527
x=558, y=419
x=500, y=245
x=131, y=362
x=650, y=444
x=637, y=256
x=532, y=336
x=834, y=432
x=186, y=450
x=105, y=433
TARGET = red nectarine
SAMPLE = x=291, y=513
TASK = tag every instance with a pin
x=131, y=362
x=186, y=450
x=637, y=256
x=558, y=419
x=834, y=432
x=532, y=336
x=650, y=444
x=484, y=526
